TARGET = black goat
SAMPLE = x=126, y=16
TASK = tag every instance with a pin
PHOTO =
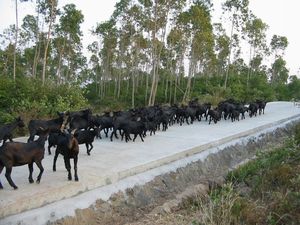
x=215, y=115
x=104, y=123
x=86, y=137
x=52, y=140
x=252, y=109
x=79, y=120
x=134, y=127
x=53, y=125
x=18, y=154
x=67, y=145
x=261, y=106
x=7, y=129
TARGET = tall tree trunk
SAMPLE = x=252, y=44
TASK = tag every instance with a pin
x=249, y=68
x=175, y=90
x=16, y=40
x=37, y=50
x=146, y=89
x=52, y=16
x=229, y=57
x=61, y=52
x=187, y=92
x=133, y=90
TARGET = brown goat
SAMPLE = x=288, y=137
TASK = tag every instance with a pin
x=67, y=145
x=18, y=154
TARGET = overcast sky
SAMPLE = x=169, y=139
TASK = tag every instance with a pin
x=282, y=16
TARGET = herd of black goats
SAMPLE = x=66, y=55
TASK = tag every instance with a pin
x=81, y=127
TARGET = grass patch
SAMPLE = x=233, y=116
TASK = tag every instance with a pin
x=263, y=191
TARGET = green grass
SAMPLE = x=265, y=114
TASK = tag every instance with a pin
x=263, y=191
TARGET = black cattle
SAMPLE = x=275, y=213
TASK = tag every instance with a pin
x=53, y=125
x=7, y=129
x=18, y=154
x=67, y=145
x=86, y=137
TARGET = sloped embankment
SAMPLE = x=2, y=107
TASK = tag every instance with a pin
x=166, y=192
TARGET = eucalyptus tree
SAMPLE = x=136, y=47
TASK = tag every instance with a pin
x=278, y=45
x=30, y=36
x=201, y=40
x=279, y=72
x=7, y=55
x=95, y=62
x=16, y=35
x=177, y=45
x=48, y=8
x=68, y=40
x=158, y=16
x=255, y=30
x=107, y=33
x=238, y=14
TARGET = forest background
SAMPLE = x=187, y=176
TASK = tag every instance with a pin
x=149, y=52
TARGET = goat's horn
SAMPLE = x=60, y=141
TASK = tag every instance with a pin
x=62, y=127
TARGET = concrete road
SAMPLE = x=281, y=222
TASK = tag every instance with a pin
x=111, y=162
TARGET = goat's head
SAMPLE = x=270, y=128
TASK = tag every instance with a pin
x=20, y=122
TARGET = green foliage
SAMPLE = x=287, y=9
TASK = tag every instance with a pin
x=27, y=97
x=297, y=134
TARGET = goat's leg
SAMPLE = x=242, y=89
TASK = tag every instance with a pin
x=91, y=145
x=75, y=168
x=54, y=160
x=1, y=168
x=31, y=137
x=111, y=136
x=40, y=166
x=141, y=138
x=8, y=177
x=49, y=149
x=87, y=148
x=127, y=137
x=68, y=166
x=106, y=132
x=135, y=135
x=30, y=167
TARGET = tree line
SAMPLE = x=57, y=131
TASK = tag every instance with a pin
x=148, y=52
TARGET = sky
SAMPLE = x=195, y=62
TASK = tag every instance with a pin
x=280, y=15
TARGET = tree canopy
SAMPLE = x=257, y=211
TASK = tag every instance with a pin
x=148, y=52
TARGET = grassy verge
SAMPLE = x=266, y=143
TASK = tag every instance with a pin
x=263, y=191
